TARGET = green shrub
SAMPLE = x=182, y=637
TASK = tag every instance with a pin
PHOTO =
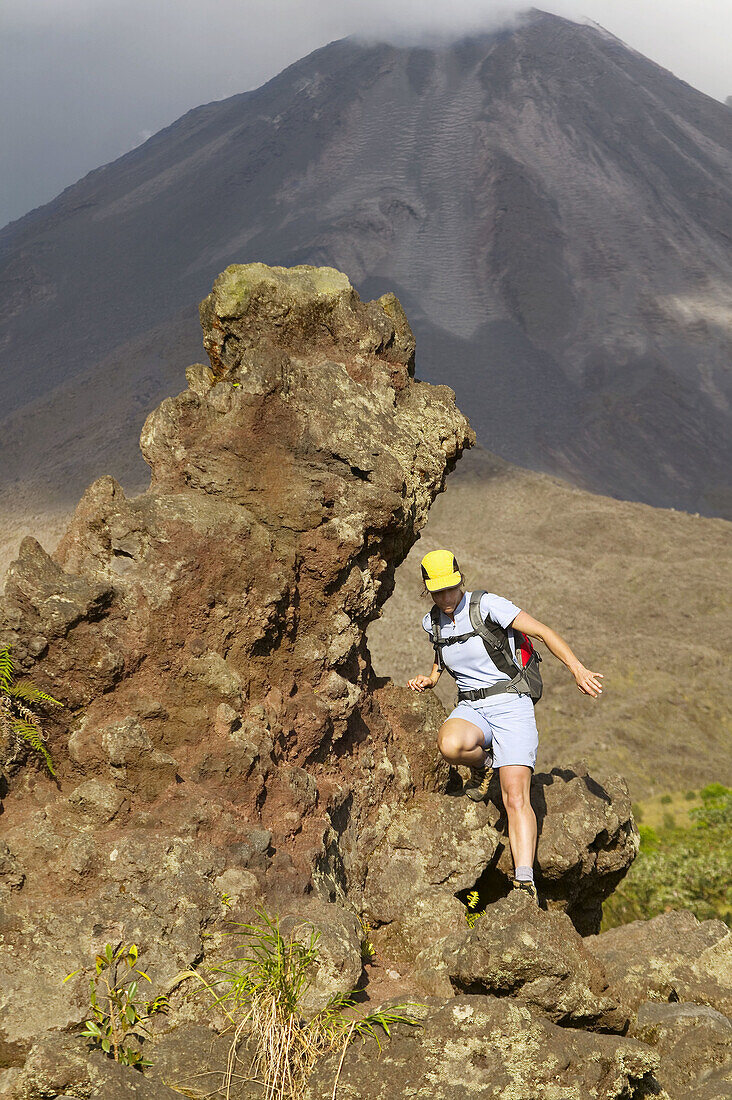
x=666, y=800
x=118, y=1014
x=681, y=869
x=648, y=837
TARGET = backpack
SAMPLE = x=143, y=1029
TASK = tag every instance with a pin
x=522, y=671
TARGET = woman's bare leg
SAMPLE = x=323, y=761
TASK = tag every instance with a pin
x=460, y=742
x=515, y=784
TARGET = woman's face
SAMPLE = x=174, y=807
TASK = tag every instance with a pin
x=448, y=599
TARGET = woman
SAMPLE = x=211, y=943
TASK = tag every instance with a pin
x=497, y=731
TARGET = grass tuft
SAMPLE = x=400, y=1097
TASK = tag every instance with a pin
x=261, y=991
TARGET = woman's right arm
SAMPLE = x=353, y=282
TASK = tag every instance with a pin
x=422, y=683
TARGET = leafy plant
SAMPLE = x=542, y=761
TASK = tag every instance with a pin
x=119, y=1015
x=367, y=948
x=262, y=998
x=16, y=716
x=681, y=867
x=472, y=913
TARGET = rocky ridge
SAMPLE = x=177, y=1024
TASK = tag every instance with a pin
x=224, y=743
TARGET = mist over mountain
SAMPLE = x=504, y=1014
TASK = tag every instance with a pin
x=553, y=210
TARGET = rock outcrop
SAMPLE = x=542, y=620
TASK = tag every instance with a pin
x=537, y=958
x=488, y=1048
x=673, y=957
x=224, y=744
x=436, y=848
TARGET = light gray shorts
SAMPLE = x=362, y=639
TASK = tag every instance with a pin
x=509, y=728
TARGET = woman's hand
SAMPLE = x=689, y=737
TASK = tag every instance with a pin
x=420, y=683
x=588, y=682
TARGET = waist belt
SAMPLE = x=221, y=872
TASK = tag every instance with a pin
x=518, y=686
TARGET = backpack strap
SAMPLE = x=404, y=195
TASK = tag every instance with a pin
x=437, y=636
x=494, y=637
x=438, y=641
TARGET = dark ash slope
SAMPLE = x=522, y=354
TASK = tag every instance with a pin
x=552, y=209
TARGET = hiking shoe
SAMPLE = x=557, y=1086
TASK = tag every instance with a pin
x=476, y=787
x=526, y=888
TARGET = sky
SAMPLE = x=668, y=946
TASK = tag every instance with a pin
x=84, y=81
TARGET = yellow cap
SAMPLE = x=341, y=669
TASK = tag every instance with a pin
x=440, y=570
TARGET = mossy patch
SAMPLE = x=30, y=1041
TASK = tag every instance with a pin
x=236, y=286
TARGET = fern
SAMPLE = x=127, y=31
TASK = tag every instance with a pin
x=16, y=718
x=6, y=669
x=25, y=690
x=32, y=734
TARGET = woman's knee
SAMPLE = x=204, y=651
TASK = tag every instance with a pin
x=516, y=794
x=456, y=737
x=449, y=743
x=515, y=799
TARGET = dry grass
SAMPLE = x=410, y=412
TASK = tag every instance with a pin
x=261, y=992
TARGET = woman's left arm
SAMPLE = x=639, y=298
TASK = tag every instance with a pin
x=588, y=682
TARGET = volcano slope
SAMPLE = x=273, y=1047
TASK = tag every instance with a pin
x=224, y=744
x=552, y=209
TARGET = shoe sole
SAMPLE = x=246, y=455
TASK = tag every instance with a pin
x=476, y=796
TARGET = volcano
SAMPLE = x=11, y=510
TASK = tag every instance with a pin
x=552, y=209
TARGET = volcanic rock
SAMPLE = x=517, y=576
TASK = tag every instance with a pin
x=336, y=935
x=515, y=949
x=224, y=744
x=693, y=1041
x=59, y=1064
x=192, y=1060
x=438, y=847
x=207, y=640
x=490, y=1048
x=672, y=957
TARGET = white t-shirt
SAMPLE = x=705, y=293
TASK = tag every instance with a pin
x=469, y=660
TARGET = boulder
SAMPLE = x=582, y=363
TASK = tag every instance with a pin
x=336, y=934
x=672, y=957
x=694, y=1042
x=587, y=841
x=486, y=1048
x=716, y=1086
x=192, y=1061
x=413, y=721
x=538, y=958
x=434, y=847
x=439, y=847
x=131, y=899
x=60, y=1065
